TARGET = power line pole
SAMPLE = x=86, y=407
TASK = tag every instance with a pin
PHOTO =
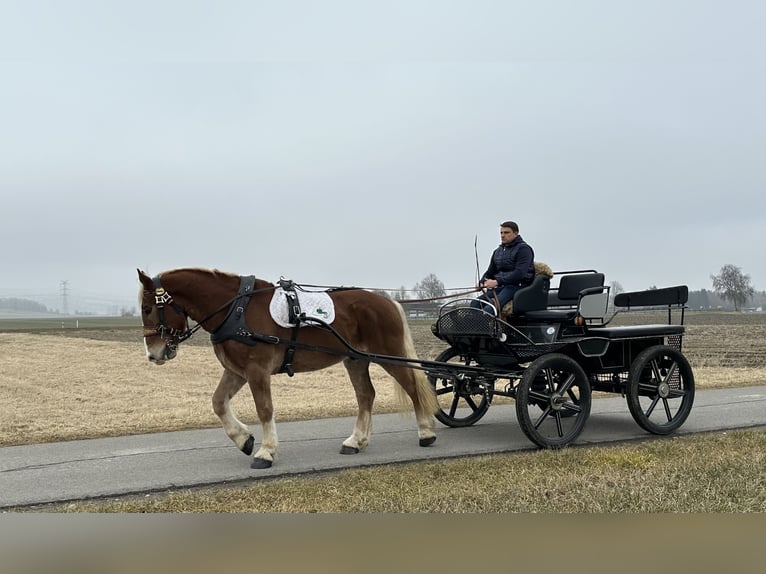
x=65, y=297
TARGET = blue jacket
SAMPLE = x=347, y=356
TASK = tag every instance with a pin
x=512, y=264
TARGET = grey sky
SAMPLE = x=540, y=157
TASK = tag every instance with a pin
x=368, y=143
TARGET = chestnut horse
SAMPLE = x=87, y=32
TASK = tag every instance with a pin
x=367, y=322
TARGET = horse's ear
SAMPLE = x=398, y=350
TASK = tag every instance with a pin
x=145, y=280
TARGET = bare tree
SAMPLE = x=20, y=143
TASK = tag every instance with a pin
x=732, y=285
x=400, y=294
x=430, y=287
x=615, y=289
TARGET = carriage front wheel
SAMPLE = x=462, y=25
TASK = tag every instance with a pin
x=557, y=385
x=660, y=389
x=462, y=401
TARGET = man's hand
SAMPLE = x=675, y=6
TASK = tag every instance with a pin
x=489, y=283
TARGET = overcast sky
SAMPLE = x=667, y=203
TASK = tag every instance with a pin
x=370, y=143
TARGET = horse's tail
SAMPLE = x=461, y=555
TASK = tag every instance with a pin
x=426, y=393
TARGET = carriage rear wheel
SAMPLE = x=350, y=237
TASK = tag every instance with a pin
x=462, y=401
x=660, y=389
x=558, y=385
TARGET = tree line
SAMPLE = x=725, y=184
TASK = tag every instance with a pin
x=16, y=304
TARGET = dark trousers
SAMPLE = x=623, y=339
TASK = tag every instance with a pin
x=504, y=294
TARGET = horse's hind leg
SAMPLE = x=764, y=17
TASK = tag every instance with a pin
x=238, y=432
x=359, y=373
x=413, y=382
x=260, y=386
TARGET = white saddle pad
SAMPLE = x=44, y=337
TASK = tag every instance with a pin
x=317, y=304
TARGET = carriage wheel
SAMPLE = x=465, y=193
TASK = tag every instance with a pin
x=660, y=389
x=558, y=385
x=461, y=401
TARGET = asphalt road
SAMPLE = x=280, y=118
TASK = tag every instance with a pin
x=78, y=470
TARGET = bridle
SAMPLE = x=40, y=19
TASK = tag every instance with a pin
x=170, y=335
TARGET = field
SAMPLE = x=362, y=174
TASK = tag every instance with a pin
x=67, y=383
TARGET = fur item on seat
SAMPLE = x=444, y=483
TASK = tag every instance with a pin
x=540, y=269
x=543, y=269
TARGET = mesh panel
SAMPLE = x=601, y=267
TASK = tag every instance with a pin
x=467, y=321
x=674, y=341
x=531, y=352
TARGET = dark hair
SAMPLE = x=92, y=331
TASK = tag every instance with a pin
x=512, y=224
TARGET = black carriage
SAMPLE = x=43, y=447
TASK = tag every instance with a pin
x=555, y=349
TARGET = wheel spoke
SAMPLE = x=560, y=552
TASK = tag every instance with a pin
x=667, y=409
x=656, y=374
x=469, y=401
x=649, y=411
x=559, y=428
x=567, y=384
x=574, y=407
x=445, y=390
x=453, y=406
x=548, y=374
x=543, y=416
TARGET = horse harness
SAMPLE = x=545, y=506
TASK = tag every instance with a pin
x=234, y=326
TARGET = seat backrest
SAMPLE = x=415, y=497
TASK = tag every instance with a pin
x=678, y=295
x=533, y=297
x=570, y=286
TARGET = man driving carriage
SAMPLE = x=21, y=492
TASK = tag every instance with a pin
x=511, y=267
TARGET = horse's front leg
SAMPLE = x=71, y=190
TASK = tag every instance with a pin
x=260, y=386
x=238, y=432
x=359, y=373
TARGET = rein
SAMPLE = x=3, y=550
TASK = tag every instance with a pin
x=406, y=301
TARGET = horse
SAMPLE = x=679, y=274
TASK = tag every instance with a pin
x=365, y=325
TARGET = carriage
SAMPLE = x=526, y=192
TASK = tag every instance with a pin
x=549, y=353
x=558, y=347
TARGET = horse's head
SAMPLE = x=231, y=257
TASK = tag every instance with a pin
x=165, y=322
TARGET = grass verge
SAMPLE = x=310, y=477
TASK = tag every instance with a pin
x=721, y=472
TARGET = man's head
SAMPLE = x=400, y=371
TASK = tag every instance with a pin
x=509, y=230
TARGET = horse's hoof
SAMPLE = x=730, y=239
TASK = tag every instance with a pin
x=348, y=450
x=427, y=441
x=249, y=445
x=260, y=463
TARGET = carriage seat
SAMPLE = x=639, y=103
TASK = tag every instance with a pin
x=532, y=297
x=562, y=303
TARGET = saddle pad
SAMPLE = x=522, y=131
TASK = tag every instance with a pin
x=317, y=304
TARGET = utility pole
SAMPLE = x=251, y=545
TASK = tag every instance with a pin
x=65, y=297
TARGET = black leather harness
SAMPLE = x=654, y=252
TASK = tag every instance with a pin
x=234, y=326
